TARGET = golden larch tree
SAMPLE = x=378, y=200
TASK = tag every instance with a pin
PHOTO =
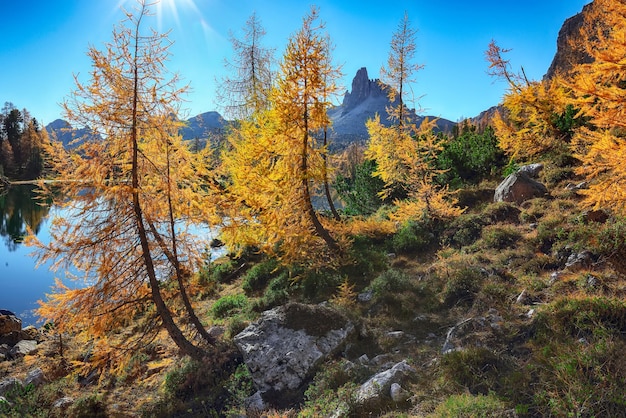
x=129, y=193
x=528, y=126
x=600, y=89
x=275, y=160
x=405, y=153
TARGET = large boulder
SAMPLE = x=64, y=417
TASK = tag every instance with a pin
x=23, y=348
x=284, y=347
x=519, y=187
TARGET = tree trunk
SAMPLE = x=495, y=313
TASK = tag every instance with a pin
x=162, y=310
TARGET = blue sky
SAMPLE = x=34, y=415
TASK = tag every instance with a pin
x=43, y=44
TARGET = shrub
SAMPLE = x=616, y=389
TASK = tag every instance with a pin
x=462, y=286
x=464, y=230
x=412, y=236
x=276, y=293
x=390, y=281
x=501, y=212
x=217, y=272
x=360, y=191
x=470, y=156
x=500, y=237
x=228, y=304
x=257, y=277
x=477, y=369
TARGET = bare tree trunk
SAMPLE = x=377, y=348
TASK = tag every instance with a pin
x=319, y=228
x=329, y=198
x=162, y=310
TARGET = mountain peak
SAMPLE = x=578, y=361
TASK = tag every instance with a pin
x=362, y=89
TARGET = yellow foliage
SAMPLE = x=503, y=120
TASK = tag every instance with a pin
x=526, y=128
x=600, y=92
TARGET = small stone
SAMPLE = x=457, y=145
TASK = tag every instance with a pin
x=63, y=403
x=365, y=296
x=554, y=277
x=216, y=331
x=398, y=394
x=35, y=377
x=255, y=403
x=363, y=360
x=530, y=313
x=395, y=334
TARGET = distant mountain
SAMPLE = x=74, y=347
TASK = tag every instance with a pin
x=204, y=125
x=209, y=125
x=366, y=99
x=62, y=131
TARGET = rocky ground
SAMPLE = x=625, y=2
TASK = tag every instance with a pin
x=516, y=308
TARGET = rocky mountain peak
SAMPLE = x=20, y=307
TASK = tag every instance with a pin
x=362, y=89
x=570, y=51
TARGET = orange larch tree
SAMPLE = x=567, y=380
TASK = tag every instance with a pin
x=600, y=89
x=129, y=192
x=405, y=153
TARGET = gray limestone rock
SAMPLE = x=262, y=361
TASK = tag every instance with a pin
x=519, y=187
x=284, y=347
x=377, y=389
x=9, y=384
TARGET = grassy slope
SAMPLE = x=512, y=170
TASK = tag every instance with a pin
x=555, y=350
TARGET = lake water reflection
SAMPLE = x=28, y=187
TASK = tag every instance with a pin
x=21, y=285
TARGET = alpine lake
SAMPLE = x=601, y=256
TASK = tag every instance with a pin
x=22, y=283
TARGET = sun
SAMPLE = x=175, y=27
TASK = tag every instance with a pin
x=169, y=9
x=165, y=11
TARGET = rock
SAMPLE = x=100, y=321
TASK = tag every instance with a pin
x=9, y=322
x=216, y=331
x=532, y=170
x=377, y=390
x=284, y=347
x=578, y=186
x=23, y=348
x=255, y=403
x=362, y=89
x=63, y=403
x=31, y=333
x=9, y=384
x=365, y=296
x=598, y=216
x=570, y=50
x=35, y=377
x=476, y=332
x=398, y=394
x=519, y=187
x=578, y=261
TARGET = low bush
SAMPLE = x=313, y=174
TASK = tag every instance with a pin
x=413, y=236
x=476, y=369
x=462, y=286
x=259, y=275
x=227, y=305
x=500, y=236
